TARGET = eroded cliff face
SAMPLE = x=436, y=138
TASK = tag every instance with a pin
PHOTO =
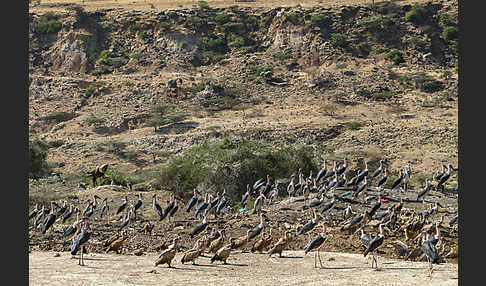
x=176, y=38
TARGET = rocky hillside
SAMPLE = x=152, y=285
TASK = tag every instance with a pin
x=364, y=82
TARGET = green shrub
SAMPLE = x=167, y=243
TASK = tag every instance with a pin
x=95, y=120
x=203, y=5
x=165, y=114
x=396, y=56
x=339, y=40
x=320, y=20
x=421, y=81
x=417, y=15
x=38, y=150
x=450, y=33
x=281, y=56
x=143, y=35
x=46, y=24
x=93, y=88
x=231, y=165
x=374, y=22
x=446, y=20
x=354, y=125
x=416, y=43
x=258, y=69
x=222, y=19
x=217, y=44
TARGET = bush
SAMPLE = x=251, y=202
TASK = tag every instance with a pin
x=320, y=20
x=396, y=56
x=46, y=24
x=354, y=125
x=446, y=20
x=450, y=33
x=222, y=19
x=281, y=56
x=38, y=166
x=217, y=44
x=339, y=40
x=203, y=5
x=417, y=15
x=95, y=120
x=231, y=164
x=416, y=43
x=164, y=114
x=93, y=88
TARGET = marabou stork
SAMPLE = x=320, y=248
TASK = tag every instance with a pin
x=157, y=207
x=138, y=203
x=71, y=229
x=444, y=177
x=221, y=205
x=424, y=190
x=321, y=172
x=34, y=212
x=374, y=244
x=49, y=221
x=62, y=209
x=80, y=240
x=428, y=247
x=104, y=207
x=200, y=227
x=317, y=243
x=258, y=229
x=342, y=168
x=174, y=209
x=168, y=207
x=378, y=171
x=68, y=214
x=245, y=197
x=383, y=179
x=202, y=206
x=192, y=202
x=122, y=206
x=257, y=206
x=362, y=174
x=310, y=224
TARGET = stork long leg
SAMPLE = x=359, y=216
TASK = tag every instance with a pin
x=319, y=255
x=315, y=259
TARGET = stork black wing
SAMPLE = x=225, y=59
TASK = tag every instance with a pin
x=374, y=244
x=315, y=243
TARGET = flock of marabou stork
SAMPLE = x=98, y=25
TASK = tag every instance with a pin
x=326, y=182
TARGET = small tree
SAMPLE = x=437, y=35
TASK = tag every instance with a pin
x=165, y=114
x=37, y=158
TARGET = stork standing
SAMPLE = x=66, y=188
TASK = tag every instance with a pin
x=168, y=207
x=49, y=221
x=245, y=197
x=138, y=203
x=342, y=168
x=378, y=171
x=71, y=229
x=39, y=217
x=192, y=202
x=104, y=208
x=258, y=229
x=362, y=174
x=173, y=210
x=34, y=212
x=257, y=206
x=444, y=178
x=317, y=243
x=383, y=179
x=424, y=191
x=310, y=224
x=123, y=205
x=202, y=206
x=80, y=240
x=373, y=245
x=321, y=172
x=221, y=205
x=365, y=241
x=68, y=214
x=157, y=207
x=428, y=247
x=200, y=227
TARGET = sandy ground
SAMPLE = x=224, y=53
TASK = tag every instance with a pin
x=243, y=269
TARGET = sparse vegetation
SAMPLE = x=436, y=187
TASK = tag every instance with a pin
x=417, y=14
x=38, y=166
x=165, y=114
x=95, y=120
x=354, y=125
x=396, y=56
x=47, y=23
x=339, y=40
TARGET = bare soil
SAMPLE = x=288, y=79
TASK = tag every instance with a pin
x=242, y=269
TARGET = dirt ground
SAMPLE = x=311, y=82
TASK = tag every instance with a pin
x=243, y=269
